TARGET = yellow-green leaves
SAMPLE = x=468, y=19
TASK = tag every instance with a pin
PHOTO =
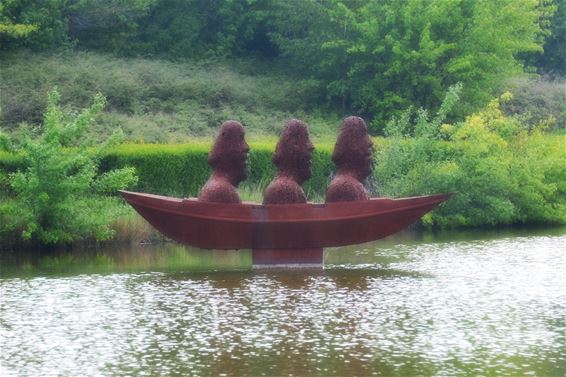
x=56, y=191
x=500, y=172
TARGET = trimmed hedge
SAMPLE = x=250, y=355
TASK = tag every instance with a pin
x=163, y=169
x=182, y=169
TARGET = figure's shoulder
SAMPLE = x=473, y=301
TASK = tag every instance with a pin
x=219, y=191
x=344, y=189
x=284, y=191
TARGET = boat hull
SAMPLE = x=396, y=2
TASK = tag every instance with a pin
x=289, y=226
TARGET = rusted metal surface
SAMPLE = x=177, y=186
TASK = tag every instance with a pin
x=229, y=161
x=293, y=159
x=353, y=159
x=288, y=226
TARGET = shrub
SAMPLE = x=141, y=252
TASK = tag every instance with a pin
x=501, y=172
x=57, y=194
x=182, y=169
x=538, y=100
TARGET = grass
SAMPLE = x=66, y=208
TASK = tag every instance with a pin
x=133, y=229
x=157, y=100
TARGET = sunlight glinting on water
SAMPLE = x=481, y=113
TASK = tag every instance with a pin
x=440, y=309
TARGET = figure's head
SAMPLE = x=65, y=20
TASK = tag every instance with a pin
x=293, y=154
x=229, y=153
x=353, y=149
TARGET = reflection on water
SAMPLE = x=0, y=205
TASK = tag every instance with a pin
x=160, y=257
x=426, y=306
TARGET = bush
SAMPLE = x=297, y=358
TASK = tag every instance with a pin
x=56, y=194
x=501, y=172
x=182, y=169
x=538, y=100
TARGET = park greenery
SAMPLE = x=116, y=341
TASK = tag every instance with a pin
x=57, y=194
x=501, y=172
x=463, y=96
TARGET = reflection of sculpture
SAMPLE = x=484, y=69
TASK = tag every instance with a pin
x=293, y=156
x=352, y=156
x=228, y=158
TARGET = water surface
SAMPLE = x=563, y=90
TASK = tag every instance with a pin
x=419, y=304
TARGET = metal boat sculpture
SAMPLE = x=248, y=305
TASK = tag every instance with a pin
x=285, y=230
x=290, y=226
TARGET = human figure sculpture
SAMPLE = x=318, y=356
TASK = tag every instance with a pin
x=292, y=158
x=353, y=159
x=228, y=158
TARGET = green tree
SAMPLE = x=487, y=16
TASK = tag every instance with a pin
x=553, y=60
x=58, y=196
x=110, y=25
x=14, y=30
x=381, y=56
x=103, y=24
x=196, y=28
x=42, y=23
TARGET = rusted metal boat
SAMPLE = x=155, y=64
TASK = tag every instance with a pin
x=279, y=227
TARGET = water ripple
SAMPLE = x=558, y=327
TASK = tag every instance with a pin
x=450, y=308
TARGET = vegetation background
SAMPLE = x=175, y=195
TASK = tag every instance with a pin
x=466, y=96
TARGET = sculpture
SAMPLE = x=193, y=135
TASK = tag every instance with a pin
x=353, y=158
x=293, y=156
x=293, y=159
x=228, y=158
x=294, y=233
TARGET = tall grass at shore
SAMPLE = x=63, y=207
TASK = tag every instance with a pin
x=131, y=228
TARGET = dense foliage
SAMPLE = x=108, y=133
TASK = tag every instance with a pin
x=182, y=169
x=553, y=60
x=56, y=195
x=500, y=172
x=383, y=56
x=373, y=57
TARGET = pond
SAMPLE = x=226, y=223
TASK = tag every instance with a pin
x=417, y=304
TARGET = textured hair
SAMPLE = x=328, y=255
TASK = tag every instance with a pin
x=351, y=142
x=294, y=136
x=228, y=138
